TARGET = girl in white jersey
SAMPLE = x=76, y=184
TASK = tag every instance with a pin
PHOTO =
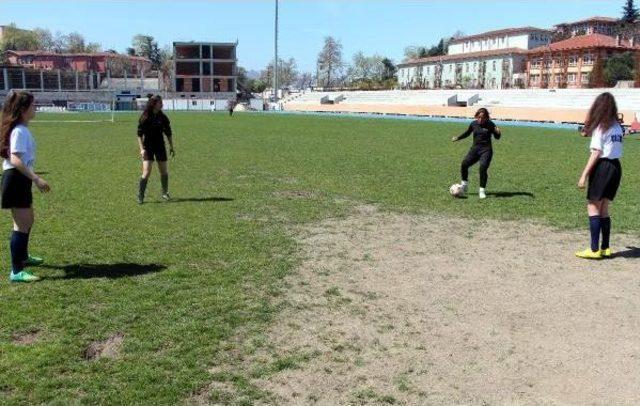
x=18, y=148
x=603, y=172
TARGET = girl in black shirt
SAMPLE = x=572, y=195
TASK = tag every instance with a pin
x=481, y=151
x=152, y=128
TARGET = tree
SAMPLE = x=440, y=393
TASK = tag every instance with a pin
x=75, y=43
x=619, y=67
x=45, y=39
x=390, y=69
x=146, y=46
x=287, y=72
x=440, y=49
x=15, y=39
x=330, y=62
x=415, y=52
x=630, y=12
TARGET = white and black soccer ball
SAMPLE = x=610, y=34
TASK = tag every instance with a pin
x=456, y=190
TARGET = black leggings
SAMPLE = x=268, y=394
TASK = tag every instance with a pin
x=477, y=155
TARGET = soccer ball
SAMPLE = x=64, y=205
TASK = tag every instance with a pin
x=456, y=190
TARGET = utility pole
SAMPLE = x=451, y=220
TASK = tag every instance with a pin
x=275, y=61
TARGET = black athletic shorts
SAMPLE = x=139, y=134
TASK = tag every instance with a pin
x=16, y=190
x=604, y=180
x=155, y=153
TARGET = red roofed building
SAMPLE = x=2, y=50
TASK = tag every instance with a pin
x=593, y=25
x=98, y=62
x=569, y=63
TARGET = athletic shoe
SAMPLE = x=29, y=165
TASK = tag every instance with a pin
x=464, y=187
x=482, y=194
x=166, y=196
x=606, y=253
x=33, y=261
x=588, y=254
x=23, y=276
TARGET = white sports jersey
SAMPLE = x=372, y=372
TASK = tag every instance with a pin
x=609, y=141
x=22, y=142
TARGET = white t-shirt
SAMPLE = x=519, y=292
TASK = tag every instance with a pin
x=22, y=142
x=609, y=141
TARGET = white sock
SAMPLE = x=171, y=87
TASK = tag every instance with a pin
x=482, y=190
x=464, y=183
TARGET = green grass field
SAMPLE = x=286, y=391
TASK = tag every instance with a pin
x=179, y=279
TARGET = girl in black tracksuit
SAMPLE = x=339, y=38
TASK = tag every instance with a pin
x=152, y=128
x=481, y=151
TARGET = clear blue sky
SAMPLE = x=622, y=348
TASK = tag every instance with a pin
x=385, y=27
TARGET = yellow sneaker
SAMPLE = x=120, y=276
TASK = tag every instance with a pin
x=606, y=253
x=588, y=254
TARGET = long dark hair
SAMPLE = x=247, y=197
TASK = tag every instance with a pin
x=484, y=111
x=15, y=105
x=602, y=114
x=148, y=109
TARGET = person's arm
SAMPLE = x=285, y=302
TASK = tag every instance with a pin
x=167, y=130
x=591, y=163
x=464, y=134
x=497, y=133
x=18, y=163
x=141, y=139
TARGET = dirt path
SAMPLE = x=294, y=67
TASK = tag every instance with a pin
x=424, y=310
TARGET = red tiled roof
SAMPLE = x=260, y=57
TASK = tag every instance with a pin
x=596, y=19
x=506, y=31
x=469, y=55
x=47, y=53
x=584, y=42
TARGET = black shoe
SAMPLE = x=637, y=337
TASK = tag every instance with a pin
x=140, y=199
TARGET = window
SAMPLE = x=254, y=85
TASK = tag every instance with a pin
x=585, y=78
x=450, y=68
x=495, y=66
x=571, y=78
x=467, y=67
x=573, y=60
x=428, y=70
x=587, y=59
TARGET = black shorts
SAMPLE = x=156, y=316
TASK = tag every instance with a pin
x=155, y=153
x=604, y=180
x=16, y=190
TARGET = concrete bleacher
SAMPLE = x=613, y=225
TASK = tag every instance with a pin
x=628, y=99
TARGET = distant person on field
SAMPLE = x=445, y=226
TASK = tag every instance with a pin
x=231, y=104
x=18, y=148
x=603, y=172
x=481, y=150
x=152, y=127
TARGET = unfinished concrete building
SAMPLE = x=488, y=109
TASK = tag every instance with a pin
x=205, y=68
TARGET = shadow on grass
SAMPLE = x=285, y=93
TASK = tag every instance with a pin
x=194, y=199
x=631, y=252
x=504, y=195
x=110, y=271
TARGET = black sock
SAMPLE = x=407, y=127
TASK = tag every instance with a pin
x=142, y=187
x=164, y=180
x=606, y=231
x=18, y=247
x=594, y=227
x=26, y=247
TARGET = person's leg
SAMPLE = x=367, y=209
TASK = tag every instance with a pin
x=164, y=177
x=468, y=161
x=147, y=165
x=485, y=162
x=605, y=224
x=18, y=246
x=595, y=225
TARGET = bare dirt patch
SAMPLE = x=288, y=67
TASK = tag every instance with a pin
x=109, y=348
x=26, y=337
x=432, y=310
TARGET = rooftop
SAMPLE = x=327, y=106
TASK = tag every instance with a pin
x=506, y=31
x=586, y=41
x=446, y=58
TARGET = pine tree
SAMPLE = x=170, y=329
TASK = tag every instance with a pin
x=630, y=12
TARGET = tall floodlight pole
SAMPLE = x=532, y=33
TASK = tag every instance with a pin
x=275, y=61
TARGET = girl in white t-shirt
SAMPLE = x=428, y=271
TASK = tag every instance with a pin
x=603, y=172
x=18, y=148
